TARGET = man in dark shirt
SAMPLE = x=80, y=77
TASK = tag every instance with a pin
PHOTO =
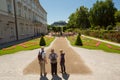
x=62, y=61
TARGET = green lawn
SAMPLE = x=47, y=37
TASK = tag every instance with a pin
x=94, y=44
x=28, y=45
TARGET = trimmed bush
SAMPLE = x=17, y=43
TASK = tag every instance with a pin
x=78, y=41
x=42, y=41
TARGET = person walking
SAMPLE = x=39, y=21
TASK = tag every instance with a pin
x=42, y=61
x=53, y=60
x=62, y=61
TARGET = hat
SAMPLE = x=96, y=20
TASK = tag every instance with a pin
x=42, y=46
x=61, y=50
x=52, y=49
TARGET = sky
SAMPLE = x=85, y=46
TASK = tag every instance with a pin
x=60, y=10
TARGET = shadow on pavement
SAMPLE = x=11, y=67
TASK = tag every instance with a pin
x=56, y=77
x=65, y=76
x=43, y=78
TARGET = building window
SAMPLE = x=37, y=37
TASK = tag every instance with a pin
x=25, y=12
x=19, y=9
x=22, y=28
x=1, y=32
x=29, y=14
x=9, y=6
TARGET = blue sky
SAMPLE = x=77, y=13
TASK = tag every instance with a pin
x=61, y=9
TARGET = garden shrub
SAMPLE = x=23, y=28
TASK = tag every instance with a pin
x=78, y=41
x=42, y=41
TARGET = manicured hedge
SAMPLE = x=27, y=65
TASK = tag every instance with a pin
x=42, y=41
x=78, y=41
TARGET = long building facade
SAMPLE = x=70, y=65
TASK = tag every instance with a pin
x=20, y=19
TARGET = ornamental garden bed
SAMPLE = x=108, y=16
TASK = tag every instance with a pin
x=28, y=45
x=94, y=44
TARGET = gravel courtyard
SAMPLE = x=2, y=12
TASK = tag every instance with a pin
x=81, y=64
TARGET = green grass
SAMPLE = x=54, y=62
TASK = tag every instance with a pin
x=91, y=44
x=28, y=45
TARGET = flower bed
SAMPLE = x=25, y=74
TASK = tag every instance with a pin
x=29, y=45
x=94, y=44
x=108, y=35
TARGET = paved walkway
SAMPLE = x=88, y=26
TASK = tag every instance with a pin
x=74, y=64
x=87, y=64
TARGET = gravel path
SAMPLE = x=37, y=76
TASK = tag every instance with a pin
x=103, y=65
x=74, y=64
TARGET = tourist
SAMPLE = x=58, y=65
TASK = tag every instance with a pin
x=42, y=61
x=62, y=61
x=53, y=59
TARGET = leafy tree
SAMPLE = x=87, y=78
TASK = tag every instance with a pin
x=117, y=16
x=78, y=40
x=64, y=28
x=79, y=19
x=58, y=29
x=42, y=41
x=71, y=22
x=49, y=27
x=54, y=29
x=102, y=13
x=82, y=20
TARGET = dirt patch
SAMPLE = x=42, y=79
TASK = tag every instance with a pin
x=74, y=63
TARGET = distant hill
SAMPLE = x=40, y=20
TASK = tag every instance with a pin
x=59, y=23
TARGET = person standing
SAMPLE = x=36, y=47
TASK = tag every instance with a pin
x=53, y=60
x=62, y=61
x=42, y=61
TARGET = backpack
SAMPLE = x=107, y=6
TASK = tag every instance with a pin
x=40, y=56
x=53, y=59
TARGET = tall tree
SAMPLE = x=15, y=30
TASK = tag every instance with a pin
x=79, y=19
x=102, y=13
x=117, y=16
x=71, y=22
x=82, y=20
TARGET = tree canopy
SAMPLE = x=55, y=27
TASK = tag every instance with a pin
x=102, y=13
x=79, y=19
x=117, y=16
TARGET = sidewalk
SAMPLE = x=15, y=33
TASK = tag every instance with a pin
x=113, y=43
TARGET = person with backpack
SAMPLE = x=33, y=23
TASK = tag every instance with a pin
x=42, y=61
x=53, y=60
x=62, y=61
